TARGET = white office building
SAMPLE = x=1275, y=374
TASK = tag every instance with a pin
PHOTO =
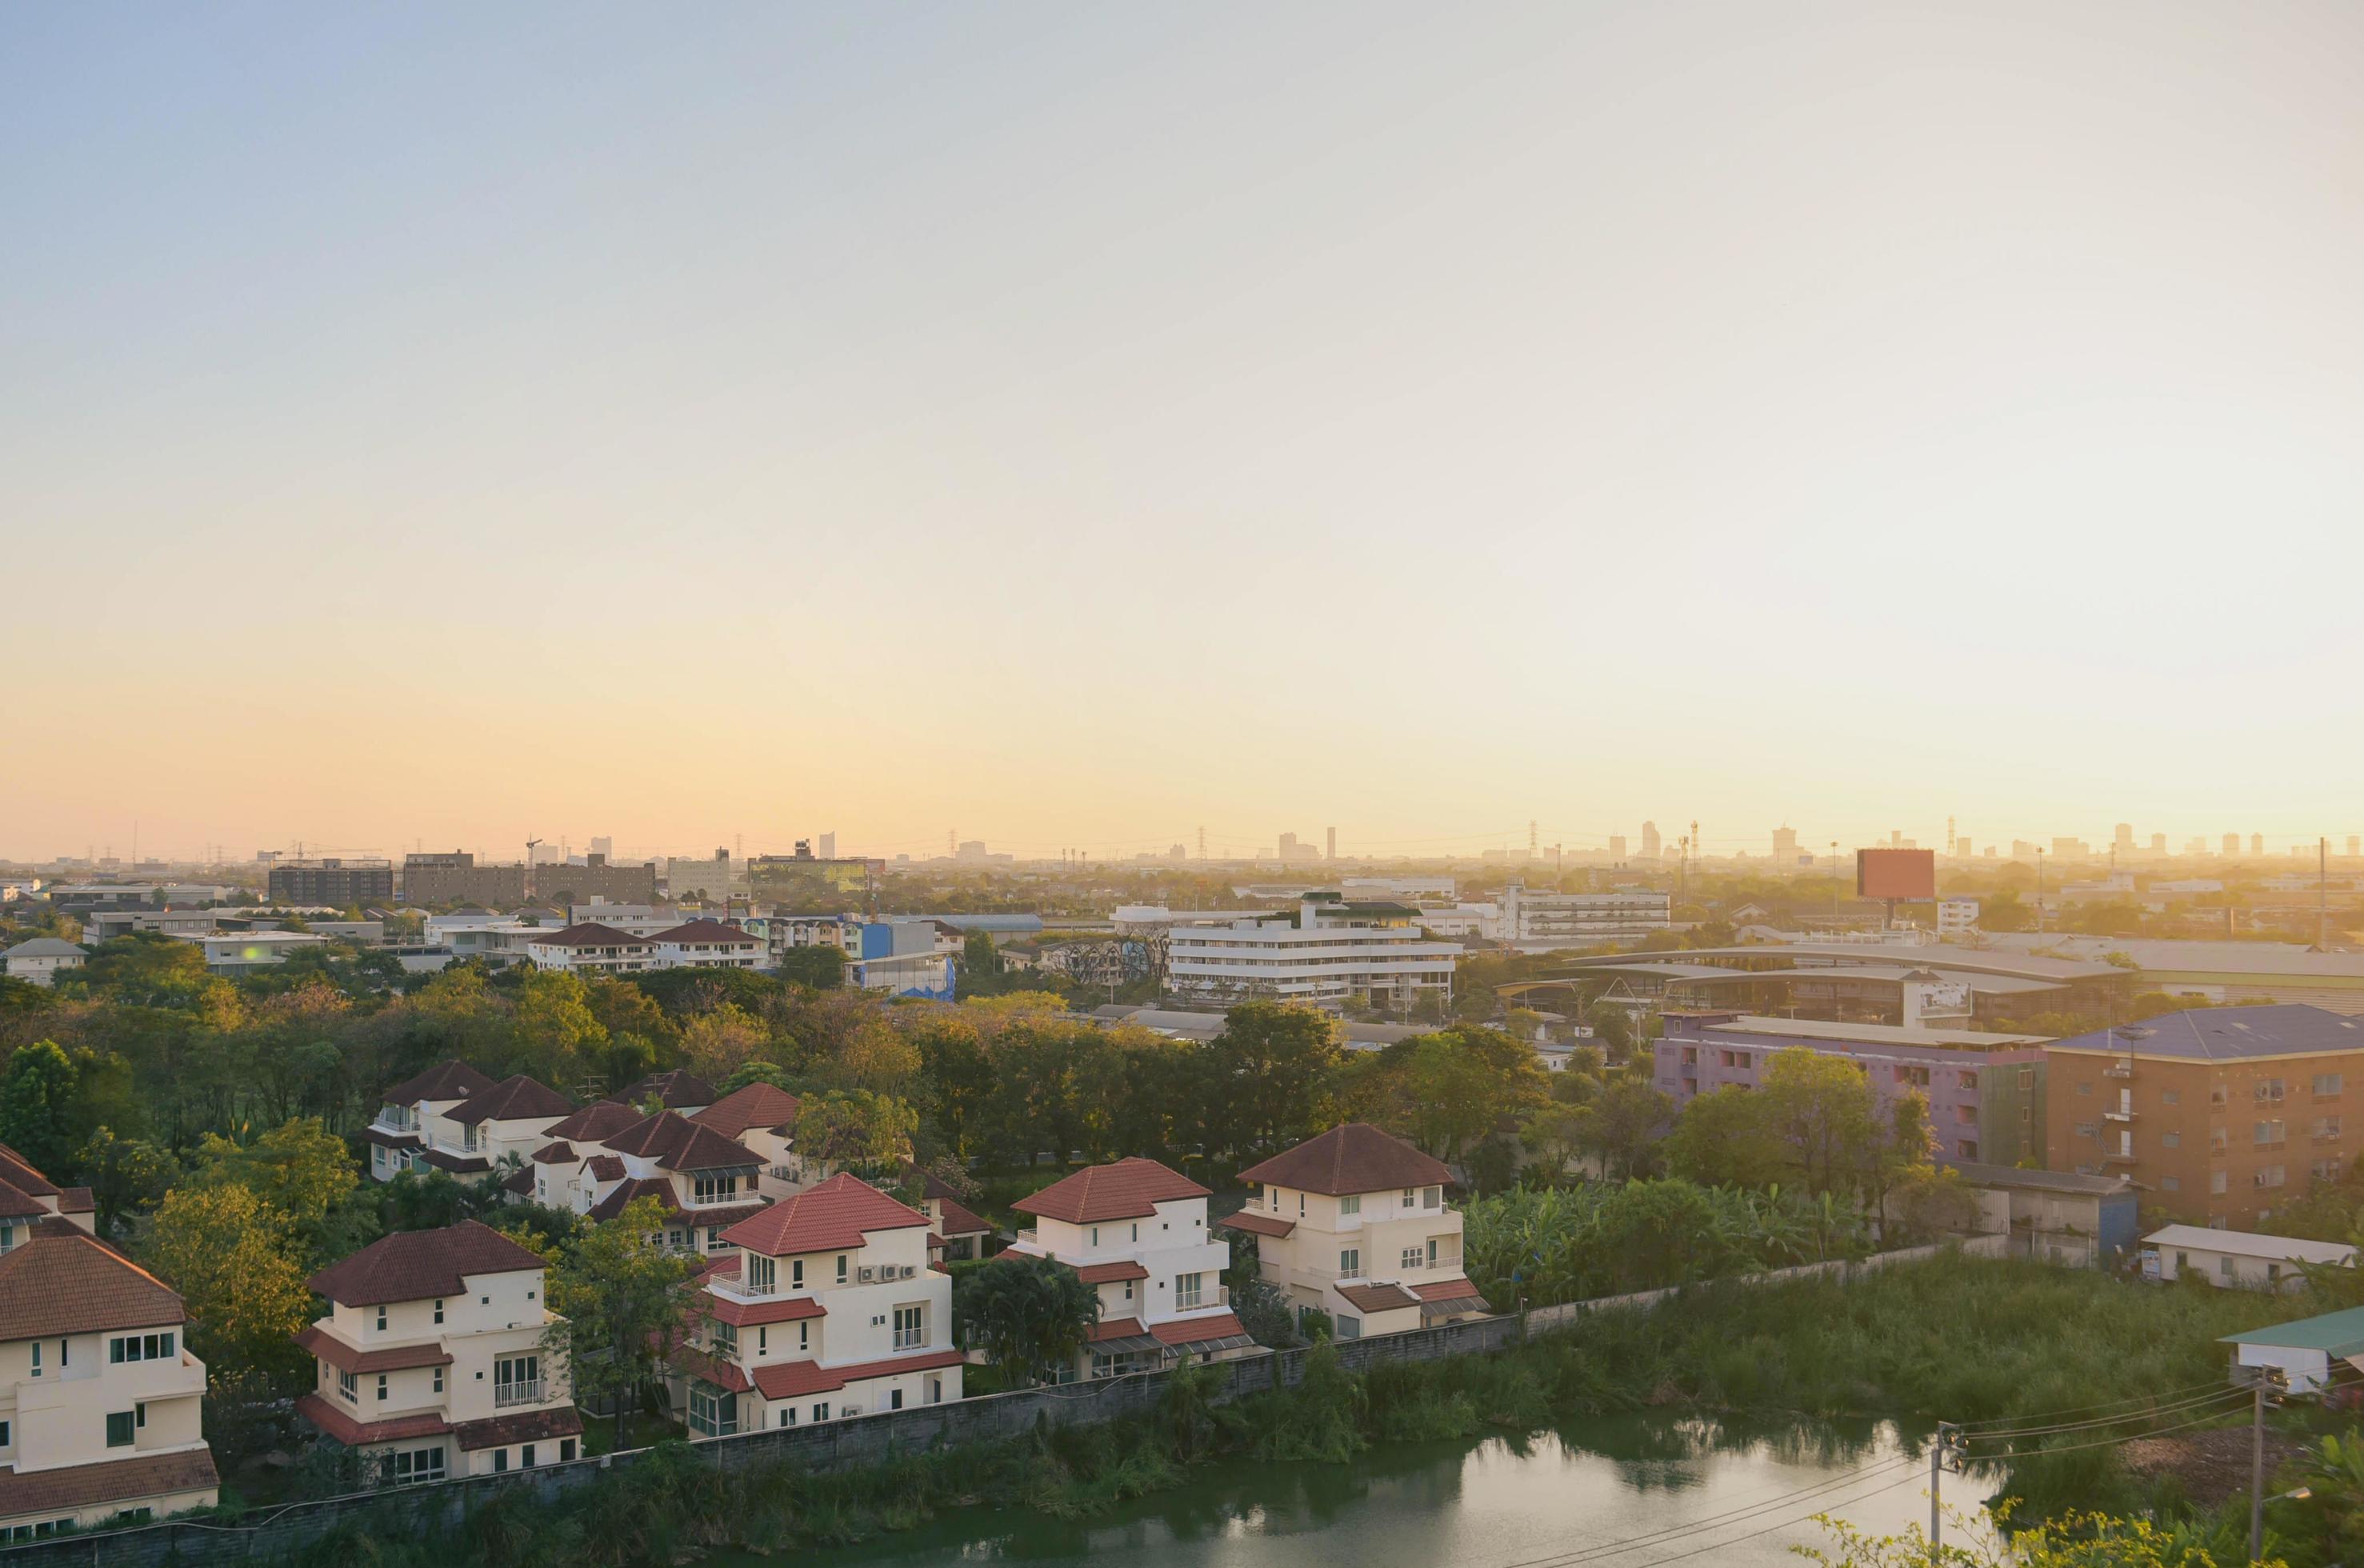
x=1544, y=922
x=1326, y=951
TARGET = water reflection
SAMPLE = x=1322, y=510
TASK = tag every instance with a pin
x=1680, y=1482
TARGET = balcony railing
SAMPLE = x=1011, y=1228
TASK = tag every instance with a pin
x=2118, y=1157
x=1219, y=1296
x=2118, y=1115
x=2119, y=1070
x=505, y=1394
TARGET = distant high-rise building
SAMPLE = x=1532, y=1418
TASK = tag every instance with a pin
x=1785, y=846
x=2025, y=849
x=2355, y=844
x=2123, y=840
x=2231, y=845
x=2159, y=843
x=1963, y=848
x=1332, y=852
x=1649, y=841
x=829, y=846
x=2256, y=843
x=603, y=847
x=2195, y=845
x=1616, y=846
x=2070, y=849
x=1178, y=854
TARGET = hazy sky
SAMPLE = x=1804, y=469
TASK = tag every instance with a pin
x=1077, y=424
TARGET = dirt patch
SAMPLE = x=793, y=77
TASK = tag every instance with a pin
x=2213, y=1465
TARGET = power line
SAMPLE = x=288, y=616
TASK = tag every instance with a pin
x=2112, y=1442
x=2221, y=1394
x=1672, y=1533
x=2091, y=1409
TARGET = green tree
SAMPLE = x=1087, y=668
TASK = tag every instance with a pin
x=125, y=1173
x=238, y=1262
x=756, y=1072
x=622, y=1300
x=1612, y=1025
x=856, y=1130
x=822, y=969
x=557, y=1037
x=1273, y=1061
x=299, y=1168
x=1029, y=1315
x=980, y=960
x=1623, y=1124
x=1723, y=1139
x=959, y=1075
x=1819, y=1108
x=39, y=1106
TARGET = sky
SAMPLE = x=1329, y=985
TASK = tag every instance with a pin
x=1073, y=426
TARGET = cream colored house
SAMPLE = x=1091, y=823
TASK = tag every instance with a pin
x=763, y=1118
x=100, y=1399
x=398, y=1134
x=430, y=1361
x=1354, y=1223
x=829, y=1309
x=1136, y=1232
x=707, y=1183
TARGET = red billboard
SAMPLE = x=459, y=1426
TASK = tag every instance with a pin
x=1896, y=873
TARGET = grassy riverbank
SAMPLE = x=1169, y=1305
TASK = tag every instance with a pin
x=1964, y=1339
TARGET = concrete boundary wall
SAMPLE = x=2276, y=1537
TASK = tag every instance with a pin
x=850, y=1441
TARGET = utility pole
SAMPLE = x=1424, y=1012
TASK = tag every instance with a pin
x=2039, y=890
x=2263, y=1379
x=1945, y=1452
x=2321, y=895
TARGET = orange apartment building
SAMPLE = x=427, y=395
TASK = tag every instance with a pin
x=2223, y=1116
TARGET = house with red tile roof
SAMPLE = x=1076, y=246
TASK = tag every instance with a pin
x=706, y=1182
x=1136, y=1232
x=100, y=1399
x=954, y=1233
x=763, y=1116
x=706, y=944
x=1354, y=1223
x=430, y=1362
x=398, y=1134
x=589, y=948
x=830, y=1311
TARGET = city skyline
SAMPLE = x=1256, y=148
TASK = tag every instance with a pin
x=1079, y=428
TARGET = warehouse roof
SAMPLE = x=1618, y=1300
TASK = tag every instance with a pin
x=2225, y=1034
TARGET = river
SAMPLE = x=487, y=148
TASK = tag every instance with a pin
x=1679, y=1488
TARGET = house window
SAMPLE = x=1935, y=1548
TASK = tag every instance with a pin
x=1350, y=1204
x=820, y=1411
x=349, y=1387
x=2216, y=1182
x=1432, y=1197
x=438, y=1380
x=1350, y=1328
x=2171, y=1183
x=1189, y=1290
x=911, y=1327
x=714, y=1186
x=787, y=1414
x=418, y=1464
x=2268, y=1091
x=2170, y=1141
x=517, y=1380
x=1414, y=1256
x=2170, y=1096
x=37, y=1358
x=715, y=1244
x=381, y=1320
x=139, y=1348
x=2327, y=1127
x=2266, y=1177
x=803, y=1336
x=567, y=1451
x=841, y=1268
x=120, y=1433
x=2327, y=1082
x=2085, y=1087
x=722, y=1336
x=2225, y=1265
x=381, y=1388
x=5, y=1437
x=1096, y=1236
x=2266, y=1132
x=1350, y=1263
x=712, y=1412
x=438, y=1312
x=500, y=1460
x=762, y=1273
x=796, y=1273
x=525, y=1457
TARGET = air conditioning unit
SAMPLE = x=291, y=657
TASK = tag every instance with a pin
x=849, y=1409
x=909, y=1270
x=868, y=1274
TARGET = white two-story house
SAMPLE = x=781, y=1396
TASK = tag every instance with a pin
x=1354, y=1223
x=955, y=1234
x=397, y=1135
x=431, y=1362
x=708, y=944
x=829, y=1310
x=99, y=1396
x=1136, y=1232
x=475, y=1137
x=763, y=1116
x=706, y=1182
x=558, y=1164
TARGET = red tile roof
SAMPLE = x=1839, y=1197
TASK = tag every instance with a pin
x=830, y=1217
x=16, y=1203
x=558, y=1153
x=384, y=1140
x=77, y=1200
x=760, y=1104
x=319, y=1342
x=18, y=1173
x=673, y=1090
x=1355, y=1158
x=708, y=931
x=1128, y=1189
x=64, y=1282
x=1256, y=1224
x=690, y=1361
x=413, y=1265
x=628, y=1192
x=443, y=1160
x=595, y=1122
x=324, y=1414
x=1197, y=1330
x=517, y=1099
x=772, y=1309
x=791, y=1380
x=1109, y=1274
x=1117, y=1329
x=716, y=1265
x=122, y=1480
x=606, y=1167
x=1447, y=1290
x=931, y=1185
x=958, y=1221
x=445, y=1081
x=1378, y=1297
x=588, y=934
x=520, y=1427
x=678, y=1143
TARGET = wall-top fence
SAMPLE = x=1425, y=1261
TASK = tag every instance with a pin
x=853, y=1440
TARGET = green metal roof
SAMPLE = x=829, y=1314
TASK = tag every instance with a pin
x=2334, y=1333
